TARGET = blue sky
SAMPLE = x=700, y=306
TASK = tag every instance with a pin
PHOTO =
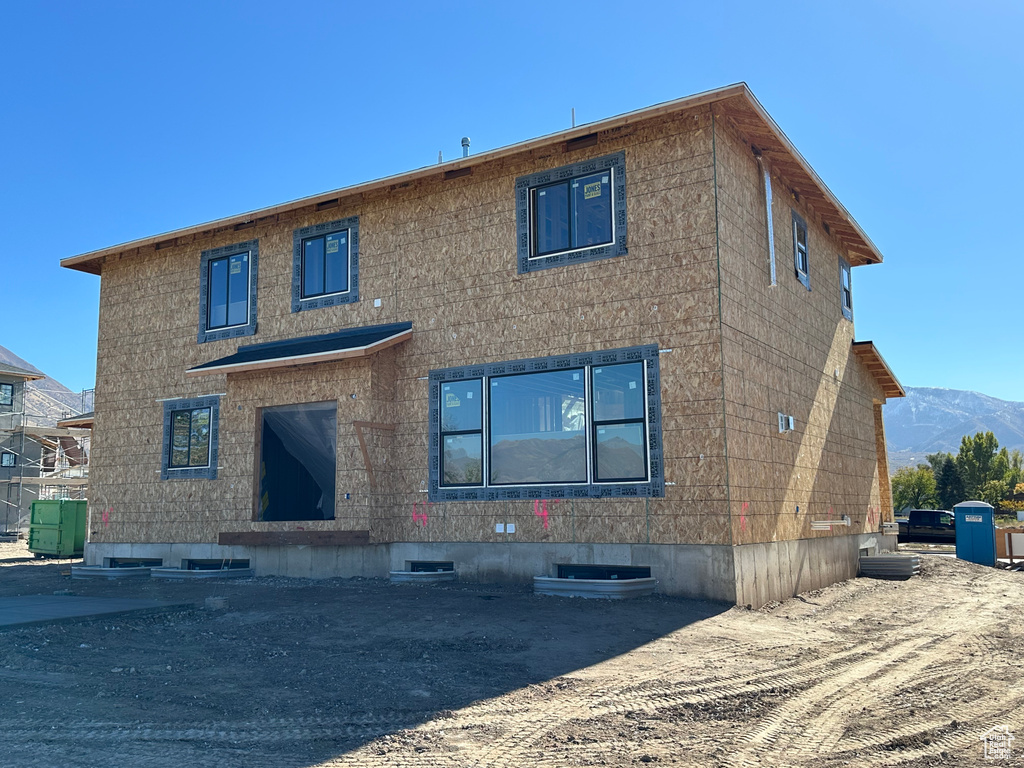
x=123, y=120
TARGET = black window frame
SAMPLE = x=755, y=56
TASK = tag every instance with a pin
x=9, y=388
x=801, y=256
x=653, y=485
x=301, y=302
x=4, y=463
x=168, y=471
x=528, y=260
x=845, y=288
x=220, y=332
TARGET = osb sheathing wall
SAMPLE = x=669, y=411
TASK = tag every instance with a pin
x=787, y=349
x=442, y=255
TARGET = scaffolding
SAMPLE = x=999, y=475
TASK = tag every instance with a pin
x=51, y=457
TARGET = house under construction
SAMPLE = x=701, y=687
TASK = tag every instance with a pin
x=38, y=458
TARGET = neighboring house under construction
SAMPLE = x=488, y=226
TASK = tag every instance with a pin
x=38, y=458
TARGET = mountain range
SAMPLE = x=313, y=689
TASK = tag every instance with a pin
x=47, y=400
x=930, y=419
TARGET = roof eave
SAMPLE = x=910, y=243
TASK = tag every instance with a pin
x=91, y=262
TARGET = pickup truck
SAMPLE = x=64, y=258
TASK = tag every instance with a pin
x=934, y=525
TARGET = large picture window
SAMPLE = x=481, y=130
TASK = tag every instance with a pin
x=227, y=291
x=572, y=214
x=6, y=394
x=575, y=425
x=190, y=438
x=325, y=264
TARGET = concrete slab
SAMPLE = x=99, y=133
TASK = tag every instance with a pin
x=53, y=609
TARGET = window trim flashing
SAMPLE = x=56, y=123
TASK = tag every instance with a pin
x=190, y=473
x=845, y=270
x=232, y=331
x=350, y=296
x=524, y=229
x=803, y=275
x=653, y=487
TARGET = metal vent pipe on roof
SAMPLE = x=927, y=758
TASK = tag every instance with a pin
x=465, y=146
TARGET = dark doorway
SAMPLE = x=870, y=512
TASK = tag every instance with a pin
x=298, y=462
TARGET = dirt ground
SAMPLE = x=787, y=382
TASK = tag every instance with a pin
x=295, y=673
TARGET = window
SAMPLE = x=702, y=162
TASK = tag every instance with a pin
x=325, y=264
x=800, y=261
x=8, y=459
x=190, y=438
x=572, y=214
x=845, y=289
x=227, y=291
x=6, y=394
x=567, y=426
x=298, y=462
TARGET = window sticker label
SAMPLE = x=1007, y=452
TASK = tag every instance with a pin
x=332, y=246
x=632, y=385
x=236, y=267
x=575, y=377
x=451, y=401
x=591, y=190
x=469, y=395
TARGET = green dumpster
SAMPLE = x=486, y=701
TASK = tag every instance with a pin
x=57, y=528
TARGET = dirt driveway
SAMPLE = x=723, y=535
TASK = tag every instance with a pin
x=298, y=673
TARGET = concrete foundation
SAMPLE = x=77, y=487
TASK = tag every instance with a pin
x=751, y=574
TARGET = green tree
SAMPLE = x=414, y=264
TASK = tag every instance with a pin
x=938, y=461
x=949, y=486
x=914, y=488
x=994, y=491
x=975, y=461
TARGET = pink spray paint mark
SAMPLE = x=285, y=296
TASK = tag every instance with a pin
x=419, y=517
x=540, y=509
x=743, y=515
x=106, y=517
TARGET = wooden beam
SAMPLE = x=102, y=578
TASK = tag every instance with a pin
x=293, y=538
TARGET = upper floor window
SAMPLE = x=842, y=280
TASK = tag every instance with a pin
x=8, y=459
x=572, y=214
x=190, y=438
x=845, y=289
x=567, y=426
x=6, y=394
x=801, y=263
x=325, y=269
x=227, y=291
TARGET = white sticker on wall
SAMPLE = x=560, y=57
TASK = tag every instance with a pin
x=499, y=528
x=510, y=528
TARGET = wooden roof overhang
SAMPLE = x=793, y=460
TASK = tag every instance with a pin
x=868, y=354
x=767, y=140
x=735, y=102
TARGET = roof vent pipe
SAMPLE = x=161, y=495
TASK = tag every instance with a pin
x=465, y=146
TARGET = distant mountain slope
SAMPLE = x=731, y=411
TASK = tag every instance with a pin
x=46, y=399
x=930, y=419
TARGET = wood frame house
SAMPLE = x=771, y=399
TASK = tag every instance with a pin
x=628, y=343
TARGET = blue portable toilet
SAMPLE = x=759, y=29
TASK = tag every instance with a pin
x=975, y=532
